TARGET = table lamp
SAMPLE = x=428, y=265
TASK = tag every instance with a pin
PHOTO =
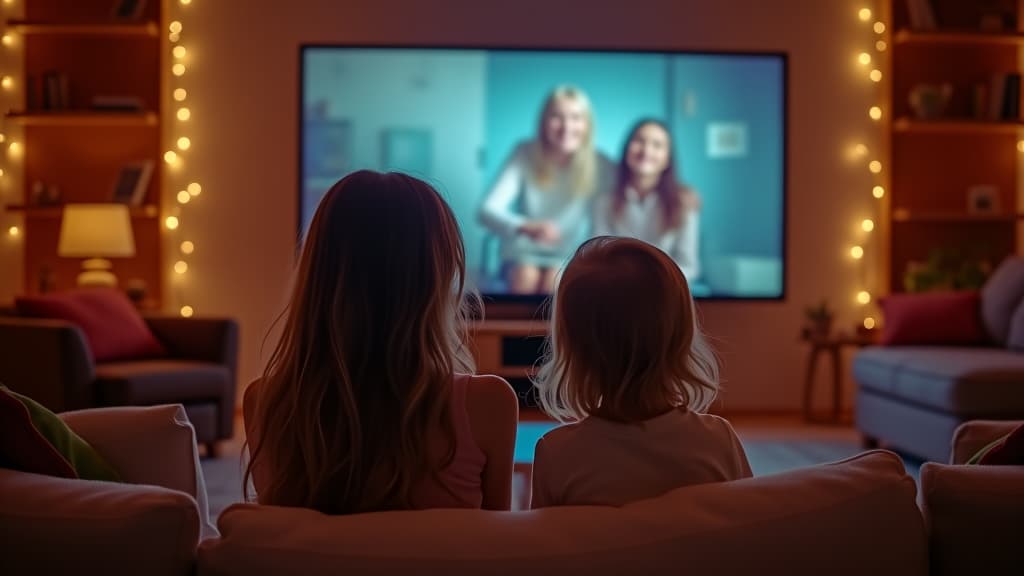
x=96, y=232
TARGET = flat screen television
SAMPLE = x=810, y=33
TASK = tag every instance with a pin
x=537, y=150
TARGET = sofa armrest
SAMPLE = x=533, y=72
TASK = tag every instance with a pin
x=973, y=514
x=207, y=339
x=153, y=445
x=47, y=360
x=972, y=436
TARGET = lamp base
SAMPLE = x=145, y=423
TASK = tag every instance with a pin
x=96, y=272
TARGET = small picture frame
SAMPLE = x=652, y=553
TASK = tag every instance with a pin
x=128, y=9
x=983, y=200
x=132, y=183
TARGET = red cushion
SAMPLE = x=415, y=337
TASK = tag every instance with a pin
x=1009, y=451
x=22, y=447
x=932, y=318
x=113, y=327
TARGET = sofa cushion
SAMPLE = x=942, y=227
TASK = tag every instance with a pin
x=1005, y=451
x=34, y=439
x=113, y=327
x=932, y=318
x=964, y=381
x=160, y=382
x=861, y=510
x=1001, y=296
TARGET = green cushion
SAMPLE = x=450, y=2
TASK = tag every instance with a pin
x=46, y=437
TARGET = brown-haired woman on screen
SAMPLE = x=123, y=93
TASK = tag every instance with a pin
x=539, y=203
x=367, y=402
x=649, y=202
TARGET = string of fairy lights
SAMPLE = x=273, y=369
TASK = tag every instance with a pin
x=175, y=157
x=869, y=60
x=10, y=42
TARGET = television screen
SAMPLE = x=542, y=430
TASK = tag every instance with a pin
x=538, y=150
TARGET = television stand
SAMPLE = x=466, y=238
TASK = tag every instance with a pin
x=511, y=349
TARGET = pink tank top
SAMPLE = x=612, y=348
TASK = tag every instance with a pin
x=460, y=484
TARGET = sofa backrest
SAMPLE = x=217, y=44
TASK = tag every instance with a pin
x=1001, y=296
x=857, y=516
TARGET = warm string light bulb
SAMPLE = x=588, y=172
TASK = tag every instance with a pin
x=178, y=69
x=184, y=143
x=1, y=172
x=864, y=58
x=875, y=75
x=864, y=297
x=867, y=225
x=170, y=156
x=869, y=323
x=187, y=247
x=171, y=222
x=1020, y=145
x=864, y=14
x=875, y=113
x=181, y=267
x=857, y=252
x=881, y=46
x=184, y=197
x=878, y=192
x=7, y=40
x=184, y=114
x=179, y=52
x=180, y=94
x=13, y=231
x=186, y=311
x=875, y=166
x=174, y=27
x=174, y=36
x=7, y=82
x=14, y=149
x=195, y=189
x=879, y=27
x=185, y=2
x=860, y=150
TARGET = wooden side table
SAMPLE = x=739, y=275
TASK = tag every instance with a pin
x=832, y=345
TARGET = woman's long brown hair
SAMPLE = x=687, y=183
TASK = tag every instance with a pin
x=669, y=189
x=363, y=370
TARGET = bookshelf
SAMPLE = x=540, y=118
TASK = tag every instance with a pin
x=953, y=168
x=74, y=147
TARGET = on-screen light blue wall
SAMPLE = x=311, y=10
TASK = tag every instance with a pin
x=742, y=196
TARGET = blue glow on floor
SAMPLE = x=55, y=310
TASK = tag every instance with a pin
x=527, y=437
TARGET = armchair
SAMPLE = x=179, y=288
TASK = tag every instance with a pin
x=50, y=361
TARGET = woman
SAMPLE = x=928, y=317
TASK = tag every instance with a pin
x=540, y=200
x=648, y=202
x=366, y=403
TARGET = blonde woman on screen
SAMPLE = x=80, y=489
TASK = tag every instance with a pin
x=541, y=200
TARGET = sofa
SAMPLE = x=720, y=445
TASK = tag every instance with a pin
x=857, y=516
x=913, y=398
x=974, y=514
x=50, y=361
x=151, y=524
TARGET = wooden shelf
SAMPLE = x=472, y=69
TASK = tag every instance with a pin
x=952, y=217
x=957, y=37
x=55, y=211
x=98, y=28
x=72, y=118
x=956, y=126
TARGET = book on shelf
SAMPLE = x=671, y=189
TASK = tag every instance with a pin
x=922, y=16
x=1004, y=97
x=55, y=91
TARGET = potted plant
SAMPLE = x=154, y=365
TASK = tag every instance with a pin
x=819, y=321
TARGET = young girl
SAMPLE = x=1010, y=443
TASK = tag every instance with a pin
x=366, y=403
x=540, y=200
x=648, y=201
x=629, y=367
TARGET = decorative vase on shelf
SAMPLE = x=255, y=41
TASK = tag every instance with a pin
x=929, y=101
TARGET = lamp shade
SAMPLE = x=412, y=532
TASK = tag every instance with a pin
x=96, y=231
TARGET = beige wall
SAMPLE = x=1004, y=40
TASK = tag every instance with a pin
x=243, y=94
